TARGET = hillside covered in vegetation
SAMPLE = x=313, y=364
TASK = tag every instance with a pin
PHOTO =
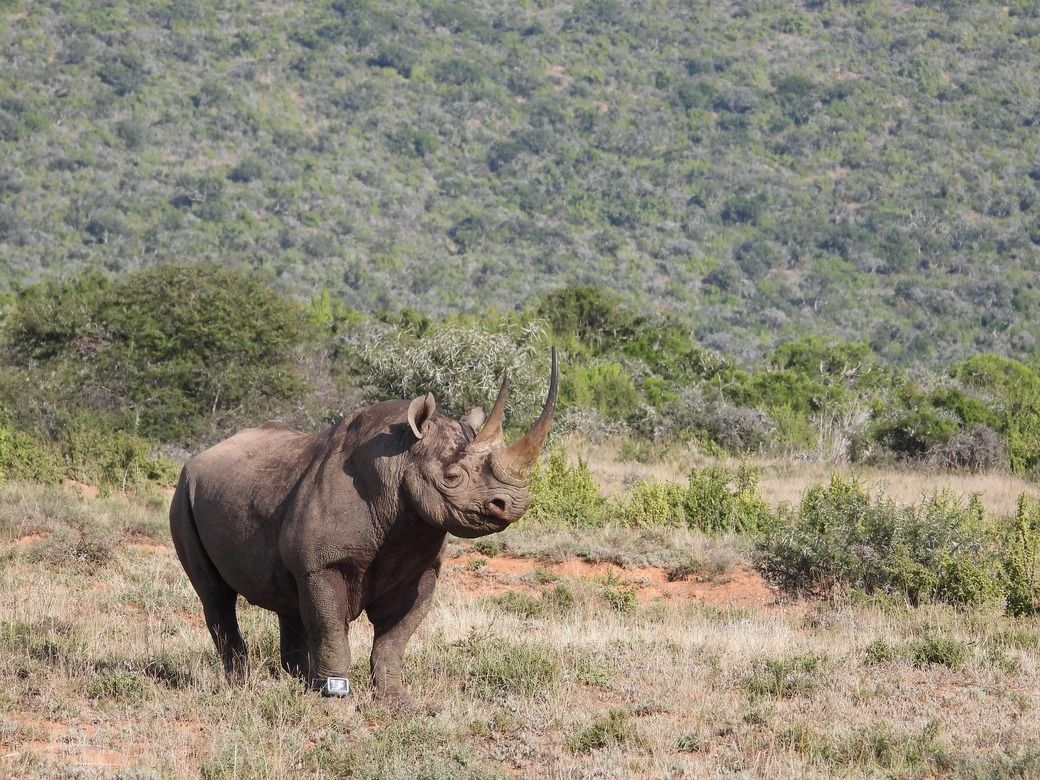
x=863, y=171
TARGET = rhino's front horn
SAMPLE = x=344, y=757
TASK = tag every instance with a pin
x=519, y=458
x=491, y=433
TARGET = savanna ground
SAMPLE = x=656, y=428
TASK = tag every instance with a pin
x=549, y=653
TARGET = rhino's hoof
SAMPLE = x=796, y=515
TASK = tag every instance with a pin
x=337, y=687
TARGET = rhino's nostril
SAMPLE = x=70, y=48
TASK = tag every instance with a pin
x=497, y=506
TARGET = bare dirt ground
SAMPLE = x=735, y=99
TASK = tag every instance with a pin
x=740, y=586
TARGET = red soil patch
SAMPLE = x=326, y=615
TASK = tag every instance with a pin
x=29, y=540
x=740, y=586
x=147, y=544
x=72, y=743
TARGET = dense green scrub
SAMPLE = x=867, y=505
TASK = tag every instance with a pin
x=101, y=373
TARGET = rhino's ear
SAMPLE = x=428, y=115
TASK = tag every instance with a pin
x=420, y=410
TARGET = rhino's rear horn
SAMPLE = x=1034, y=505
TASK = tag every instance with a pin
x=491, y=433
x=519, y=458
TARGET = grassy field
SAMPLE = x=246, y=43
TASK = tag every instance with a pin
x=787, y=479
x=549, y=653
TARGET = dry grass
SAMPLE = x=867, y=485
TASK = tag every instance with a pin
x=106, y=670
x=787, y=480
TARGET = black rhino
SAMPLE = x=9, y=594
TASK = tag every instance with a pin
x=319, y=527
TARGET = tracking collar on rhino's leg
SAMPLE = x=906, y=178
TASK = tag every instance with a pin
x=336, y=686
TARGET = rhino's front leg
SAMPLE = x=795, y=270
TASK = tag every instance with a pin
x=323, y=611
x=395, y=619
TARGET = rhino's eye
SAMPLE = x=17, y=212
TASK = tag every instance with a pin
x=453, y=475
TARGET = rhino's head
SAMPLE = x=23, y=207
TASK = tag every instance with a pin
x=472, y=484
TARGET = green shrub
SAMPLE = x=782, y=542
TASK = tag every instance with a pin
x=619, y=595
x=112, y=459
x=914, y=432
x=614, y=728
x=939, y=550
x=605, y=387
x=562, y=494
x=1023, y=431
x=879, y=652
x=487, y=546
x=783, y=677
x=162, y=350
x=719, y=502
x=1013, y=388
x=495, y=665
x=935, y=650
x=559, y=599
x=517, y=603
x=118, y=686
x=24, y=458
x=1022, y=560
x=591, y=316
x=652, y=503
x=714, y=500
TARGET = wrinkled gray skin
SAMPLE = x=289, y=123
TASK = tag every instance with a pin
x=319, y=527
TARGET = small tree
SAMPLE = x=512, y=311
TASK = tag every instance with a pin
x=462, y=365
x=162, y=350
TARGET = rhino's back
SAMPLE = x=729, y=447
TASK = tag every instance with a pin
x=256, y=465
x=238, y=490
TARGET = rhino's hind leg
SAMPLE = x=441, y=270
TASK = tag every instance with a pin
x=222, y=623
x=217, y=597
x=293, y=645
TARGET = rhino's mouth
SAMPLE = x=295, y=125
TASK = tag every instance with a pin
x=487, y=526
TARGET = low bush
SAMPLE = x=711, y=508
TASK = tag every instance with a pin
x=652, y=503
x=110, y=459
x=517, y=603
x=85, y=448
x=714, y=500
x=879, y=652
x=936, y=650
x=618, y=594
x=565, y=494
x=717, y=501
x=977, y=449
x=118, y=686
x=940, y=550
x=1022, y=560
x=614, y=728
x=487, y=546
x=26, y=459
x=605, y=387
x=792, y=675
